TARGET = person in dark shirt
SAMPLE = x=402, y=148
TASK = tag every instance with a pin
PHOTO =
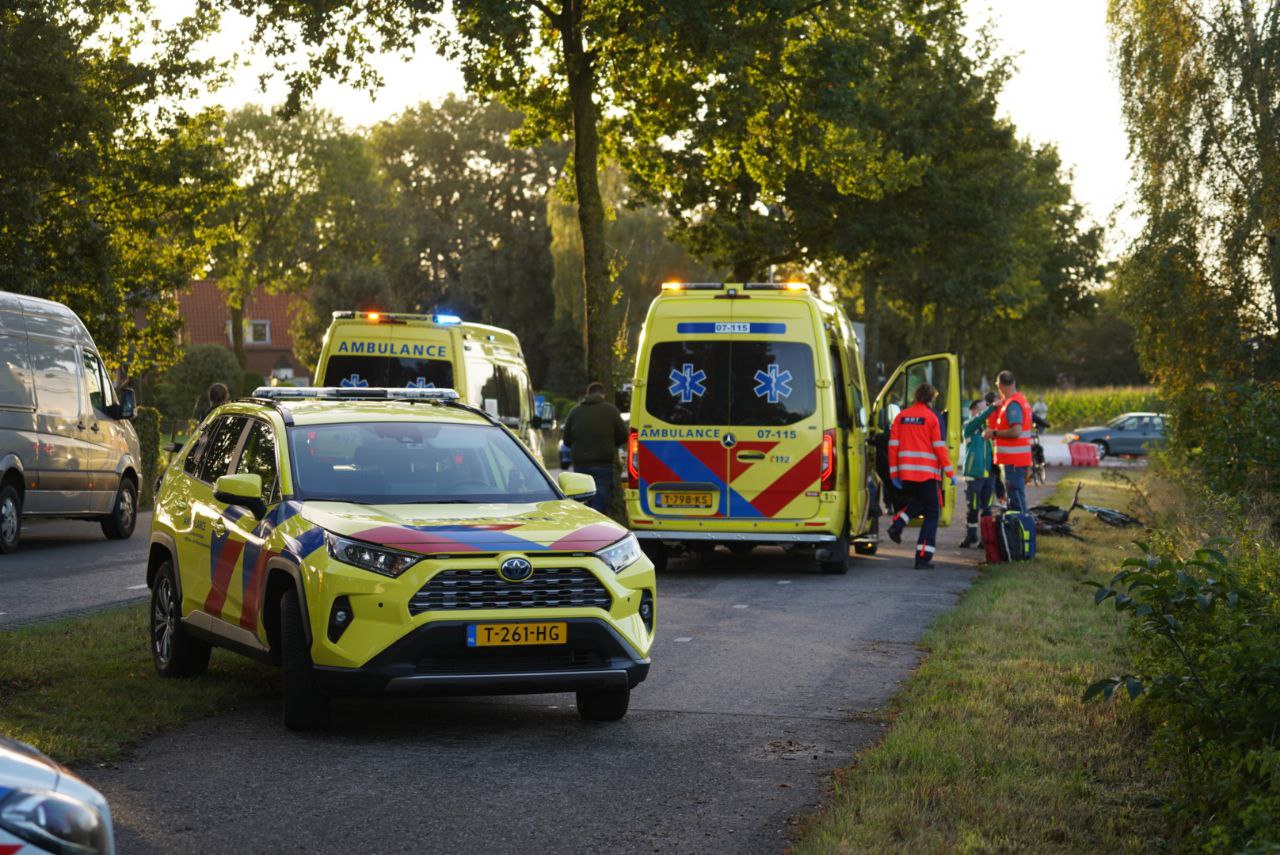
x=593, y=432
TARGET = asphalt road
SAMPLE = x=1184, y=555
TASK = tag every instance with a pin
x=766, y=677
x=66, y=567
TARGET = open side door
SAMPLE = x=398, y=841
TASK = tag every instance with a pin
x=942, y=371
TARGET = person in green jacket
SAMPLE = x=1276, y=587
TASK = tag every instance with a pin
x=979, y=470
x=593, y=432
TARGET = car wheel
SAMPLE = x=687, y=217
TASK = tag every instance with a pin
x=1103, y=449
x=174, y=652
x=10, y=518
x=838, y=564
x=305, y=706
x=657, y=552
x=119, y=524
x=866, y=548
x=604, y=704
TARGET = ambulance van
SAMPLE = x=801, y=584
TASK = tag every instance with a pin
x=751, y=423
x=483, y=363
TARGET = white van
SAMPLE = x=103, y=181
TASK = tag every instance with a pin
x=66, y=446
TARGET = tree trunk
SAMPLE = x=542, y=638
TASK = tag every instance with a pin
x=237, y=334
x=1273, y=248
x=596, y=287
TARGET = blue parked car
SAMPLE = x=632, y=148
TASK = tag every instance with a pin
x=1131, y=433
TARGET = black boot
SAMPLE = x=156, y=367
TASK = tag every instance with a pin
x=924, y=565
x=895, y=532
x=970, y=539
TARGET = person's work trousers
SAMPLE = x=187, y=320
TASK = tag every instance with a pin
x=1015, y=485
x=924, y=499
x=977, y=499
x=603, y=476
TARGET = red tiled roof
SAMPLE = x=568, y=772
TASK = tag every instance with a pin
x=205, y=314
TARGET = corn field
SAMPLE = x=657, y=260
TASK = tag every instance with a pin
x=1075, y=408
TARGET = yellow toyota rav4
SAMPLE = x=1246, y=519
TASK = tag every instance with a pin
x=392, y=540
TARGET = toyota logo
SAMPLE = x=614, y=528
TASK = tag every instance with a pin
x=515, y=569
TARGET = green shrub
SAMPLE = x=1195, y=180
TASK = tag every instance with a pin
x=1207, y=674
x=146, y=422
x=183, y=391
x=249, y=381
x=1074, y=408
x=1229, y=436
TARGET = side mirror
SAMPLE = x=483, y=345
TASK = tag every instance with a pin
x=578, y=486
x=171, y=447
x=127, y=406
x=242, y=490
x=535, y=422
x=547, y=414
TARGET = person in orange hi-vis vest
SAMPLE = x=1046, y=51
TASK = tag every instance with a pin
x=918, y=461
x=1010, y=428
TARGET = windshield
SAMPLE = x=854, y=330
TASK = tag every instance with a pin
x=388, y=371
x=413, y=462
x=698, y=382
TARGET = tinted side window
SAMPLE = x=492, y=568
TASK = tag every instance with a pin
x=192, y=464
x=217, y=456
x=500, y=395
x=95, y=377
x=859, y=405
x=259, y=457
x=57, y=378
x=841, y=389
x=15, y=373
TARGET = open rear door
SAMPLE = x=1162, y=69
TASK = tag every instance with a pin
x=942, y=371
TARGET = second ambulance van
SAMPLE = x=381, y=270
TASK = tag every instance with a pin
x=483, y=363
x=750, y=423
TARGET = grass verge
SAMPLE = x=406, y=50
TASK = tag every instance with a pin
x=84, y=689
x=991, y=748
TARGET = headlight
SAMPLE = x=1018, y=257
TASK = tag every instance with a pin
x=1071, y=437
x=387, y=562
x=622, y=554
x=54, y=822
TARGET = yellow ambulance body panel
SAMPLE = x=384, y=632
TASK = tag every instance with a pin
x=750, y=422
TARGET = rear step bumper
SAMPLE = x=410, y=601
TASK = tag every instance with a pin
x=734, y=537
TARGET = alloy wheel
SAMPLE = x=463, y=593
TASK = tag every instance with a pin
x=8, y=520
x=162, y=620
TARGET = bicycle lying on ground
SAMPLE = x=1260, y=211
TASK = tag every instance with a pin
x=1051, y=519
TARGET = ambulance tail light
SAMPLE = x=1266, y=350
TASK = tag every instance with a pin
x=633, y=459
x=827, y=460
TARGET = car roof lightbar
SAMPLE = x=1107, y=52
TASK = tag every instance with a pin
x=439, y=318
x=692, y=286
x=275, y=396
x=775, y=286
x=352, y=393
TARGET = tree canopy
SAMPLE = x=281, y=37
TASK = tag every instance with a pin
x=106, y=189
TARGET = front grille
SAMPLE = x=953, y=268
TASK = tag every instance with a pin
x=548, y=588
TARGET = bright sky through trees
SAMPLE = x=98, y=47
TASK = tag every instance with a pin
x=1063, y=91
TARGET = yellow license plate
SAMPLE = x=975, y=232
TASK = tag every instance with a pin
x=513, y=634
x=684, y=500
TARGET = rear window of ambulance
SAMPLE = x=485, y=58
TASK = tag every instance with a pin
x=388, y=371
x=718, y=382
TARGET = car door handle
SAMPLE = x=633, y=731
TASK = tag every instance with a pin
x=750, y=455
